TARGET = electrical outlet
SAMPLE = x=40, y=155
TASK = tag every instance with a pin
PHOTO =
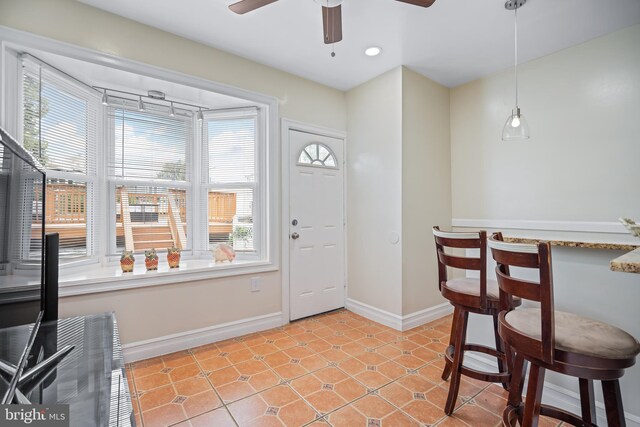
x=256, y=283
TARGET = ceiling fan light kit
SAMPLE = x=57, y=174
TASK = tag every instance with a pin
x=516, y=127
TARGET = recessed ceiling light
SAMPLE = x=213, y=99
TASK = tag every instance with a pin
x=372, y=51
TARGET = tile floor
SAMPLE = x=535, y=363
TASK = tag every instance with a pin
x=337, y=369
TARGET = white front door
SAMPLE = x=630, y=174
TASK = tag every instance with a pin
x=316, y=224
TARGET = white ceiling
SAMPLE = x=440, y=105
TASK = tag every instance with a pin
x=452, y=42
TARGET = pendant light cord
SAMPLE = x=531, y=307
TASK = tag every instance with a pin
x=516, y=51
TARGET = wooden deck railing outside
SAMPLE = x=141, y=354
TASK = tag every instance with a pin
x=67, y=203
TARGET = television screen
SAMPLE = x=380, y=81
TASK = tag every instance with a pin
x=22, y=191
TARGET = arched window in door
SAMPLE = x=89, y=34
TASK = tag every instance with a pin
x=317, y=155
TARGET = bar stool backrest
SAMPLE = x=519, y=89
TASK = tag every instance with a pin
x=529, y=256
x=462, y=240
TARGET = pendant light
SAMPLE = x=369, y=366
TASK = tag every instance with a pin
x=516, y=127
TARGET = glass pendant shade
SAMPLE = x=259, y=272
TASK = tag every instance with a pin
x=516, y=127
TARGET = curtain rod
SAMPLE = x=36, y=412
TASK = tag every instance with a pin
x=137, y=95
x=168, y=101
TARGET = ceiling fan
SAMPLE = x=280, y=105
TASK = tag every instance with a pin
x=331, y=14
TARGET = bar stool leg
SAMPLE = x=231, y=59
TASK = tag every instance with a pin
x=587, y=401
x=514, y=401
x=613, y=403
x=499, y=349
x=534, y=396
x=458, y=355
x=447, y=365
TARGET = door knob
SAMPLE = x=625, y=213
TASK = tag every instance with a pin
x=294, y=235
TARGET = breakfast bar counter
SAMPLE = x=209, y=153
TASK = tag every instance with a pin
x=576, y=244
x=628, y=263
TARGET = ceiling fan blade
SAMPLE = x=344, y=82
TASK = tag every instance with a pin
x=332, y=24
x=244, y=6
x=423, y=3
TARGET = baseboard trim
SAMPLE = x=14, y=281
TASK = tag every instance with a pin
x=427, y=315
x=373, y=313
x=552, y=394
x=183, y=340
x=395, y=321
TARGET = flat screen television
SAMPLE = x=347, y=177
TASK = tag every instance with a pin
x=28, y=258
x=22, y=234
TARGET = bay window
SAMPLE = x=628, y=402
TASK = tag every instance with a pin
x=132, y=175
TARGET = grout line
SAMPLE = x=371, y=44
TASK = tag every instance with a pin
x=224, y=405
x=324, y=417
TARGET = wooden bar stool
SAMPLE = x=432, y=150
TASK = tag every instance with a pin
x=557, y=341
x=468, y=295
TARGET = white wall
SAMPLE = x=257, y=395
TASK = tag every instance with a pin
x=374, y=193
x=426, y=186
x=149, y=313
x=581, y=164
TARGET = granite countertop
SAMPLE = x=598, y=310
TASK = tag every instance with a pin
x=575, y=244
x=628, y=263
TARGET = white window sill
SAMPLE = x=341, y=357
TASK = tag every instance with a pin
x=90, y=280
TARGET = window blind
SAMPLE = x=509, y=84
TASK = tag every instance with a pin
x=230, y=145
x=59, y=122
x=150, y=145
x=60, y=130
x=230, y=177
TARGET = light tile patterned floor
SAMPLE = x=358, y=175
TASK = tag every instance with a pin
x=337, y=369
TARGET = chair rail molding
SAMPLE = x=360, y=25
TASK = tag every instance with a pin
x=542, y=225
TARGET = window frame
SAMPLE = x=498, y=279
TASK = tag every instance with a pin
x=257, y=186
x=91, y=177
x=111, y=182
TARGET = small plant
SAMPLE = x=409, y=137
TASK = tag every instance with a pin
x=242, y=234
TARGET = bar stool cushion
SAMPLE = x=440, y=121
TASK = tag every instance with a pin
x=471, y=286
x=577, y=334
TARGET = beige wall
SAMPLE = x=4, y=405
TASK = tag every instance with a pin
x=399, y=184
x=582, y=105
x=374, y=193
x=157, y=311
x=426, y=186
x=79, y=24
x=162, y=310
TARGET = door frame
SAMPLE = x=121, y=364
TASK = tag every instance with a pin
x=286, y=126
